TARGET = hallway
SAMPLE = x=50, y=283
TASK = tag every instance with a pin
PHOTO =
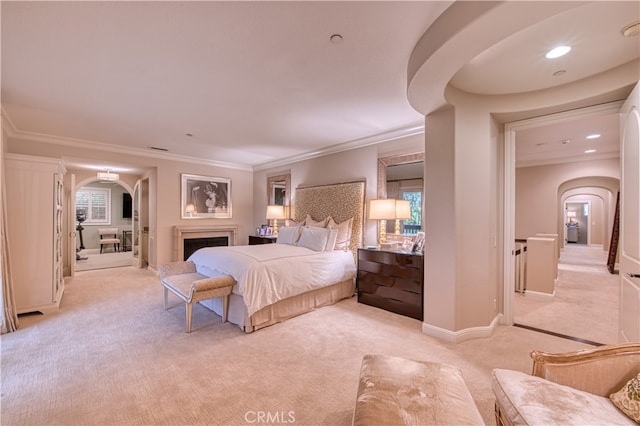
x=587, y=299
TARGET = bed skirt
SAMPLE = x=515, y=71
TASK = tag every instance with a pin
x=283, y=309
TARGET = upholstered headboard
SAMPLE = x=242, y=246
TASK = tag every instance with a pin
x=342, y=201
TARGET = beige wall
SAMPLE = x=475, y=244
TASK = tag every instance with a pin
x=249, y=193
x=164, y=183
x=346, y=166
x=539, y=207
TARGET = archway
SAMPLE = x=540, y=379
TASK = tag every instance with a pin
x=600, y=193
x=111, y=205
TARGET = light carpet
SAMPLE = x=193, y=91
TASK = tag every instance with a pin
x=113, y=356
x=93, y=259
x=587, y=299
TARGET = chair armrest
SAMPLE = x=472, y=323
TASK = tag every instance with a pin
x=600, y=371
x=213, y=283
x=176, y=268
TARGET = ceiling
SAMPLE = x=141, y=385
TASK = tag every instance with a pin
x=254, y=83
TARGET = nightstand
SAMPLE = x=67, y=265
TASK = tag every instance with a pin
x=391, y=280
x=254, y=240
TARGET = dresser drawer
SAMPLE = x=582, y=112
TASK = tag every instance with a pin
x=391, y=280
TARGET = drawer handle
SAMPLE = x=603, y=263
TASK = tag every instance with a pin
x=632, y=275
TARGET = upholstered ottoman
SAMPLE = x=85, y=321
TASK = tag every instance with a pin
x=191, y=287
x=398, y=391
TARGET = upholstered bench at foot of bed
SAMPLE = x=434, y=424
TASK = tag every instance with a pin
x=398, y=391
x=191, y=287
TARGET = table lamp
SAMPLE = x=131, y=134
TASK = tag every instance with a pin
x=403, y=211
x=382, y=210
x=275, y=212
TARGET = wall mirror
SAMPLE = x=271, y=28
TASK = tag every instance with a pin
x=279, y=190
x=402, y=177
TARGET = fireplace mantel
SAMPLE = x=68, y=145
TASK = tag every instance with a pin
x=182, y=233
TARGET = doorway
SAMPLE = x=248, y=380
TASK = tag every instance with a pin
x=556, y=310
x=577, y=223
x=103, y=205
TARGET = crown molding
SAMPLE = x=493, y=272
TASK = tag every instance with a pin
x=414, y=129
x=15, y=133
x=584, y=157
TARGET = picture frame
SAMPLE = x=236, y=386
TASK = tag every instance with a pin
x=269, y=231
x=418, y=243
x=263, y=230
x=407, y=244
x=205, y=197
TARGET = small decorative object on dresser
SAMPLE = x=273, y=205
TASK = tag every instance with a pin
x=391, y=280
x=255, y=240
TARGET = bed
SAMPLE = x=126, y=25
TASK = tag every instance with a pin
x=296, y=275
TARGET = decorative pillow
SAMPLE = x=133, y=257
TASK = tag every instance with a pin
x=343, y=239
x=331, y=239
x=288, y=235
x=310, y=222
x=314, y=238
x=627, y=399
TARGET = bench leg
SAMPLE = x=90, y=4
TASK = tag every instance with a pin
x=189, y=309
x=225, y=306
x=165, y=297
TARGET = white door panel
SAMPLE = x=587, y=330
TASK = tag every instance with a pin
x=630, y=218
x=73, y=234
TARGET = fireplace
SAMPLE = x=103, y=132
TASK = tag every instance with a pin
x=188, y=239
x=193, y=244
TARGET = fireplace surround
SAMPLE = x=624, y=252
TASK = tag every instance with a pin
x=182, y=233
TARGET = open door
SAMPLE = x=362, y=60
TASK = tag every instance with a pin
x=136, y=234
x=73, y=253
x=630, y=218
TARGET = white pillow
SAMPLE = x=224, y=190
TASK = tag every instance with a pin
x=331, y=239
x=344, y=233
x=313, y=238
x=288, y=235
x=308, y=221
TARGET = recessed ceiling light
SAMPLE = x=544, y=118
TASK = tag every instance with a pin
x=565, y=141
x=541, y=143
x=593, y=136
x=188, y=134
x=335, y=39
x=559, y=73
x=556, y=52
x=590, y=151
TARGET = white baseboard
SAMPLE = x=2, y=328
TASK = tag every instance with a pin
x=540, y=296
x=461, y=335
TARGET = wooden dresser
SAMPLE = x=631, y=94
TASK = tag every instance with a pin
x=255, y=240
x=391, y=280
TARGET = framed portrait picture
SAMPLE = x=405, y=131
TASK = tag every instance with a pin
x=263, y=230
x=407, y=244
x=418, y=243
x=205, y=197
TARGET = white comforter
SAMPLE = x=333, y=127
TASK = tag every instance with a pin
x=268, y=273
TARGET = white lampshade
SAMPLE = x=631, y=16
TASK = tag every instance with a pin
x=403, y=209
x=571, y=214
x=382, y=209
x=275, y=212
